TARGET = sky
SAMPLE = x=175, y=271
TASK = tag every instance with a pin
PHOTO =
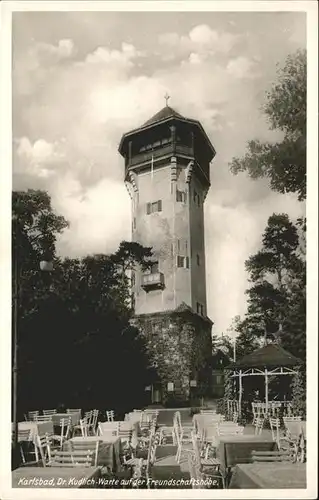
x=82, y=79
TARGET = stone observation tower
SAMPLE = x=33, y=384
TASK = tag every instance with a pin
x=167, y=163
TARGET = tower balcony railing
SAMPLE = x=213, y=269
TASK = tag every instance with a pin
x=153, y=281
x=162, y=151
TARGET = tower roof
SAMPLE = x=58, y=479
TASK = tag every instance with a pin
x=163, y=114
x=268, y=355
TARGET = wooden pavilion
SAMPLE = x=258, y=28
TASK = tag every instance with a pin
x=269, y=360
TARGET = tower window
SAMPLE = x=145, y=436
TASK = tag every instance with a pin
x=156, y=206
x=199, y=308
x=154, y=267
x=134, y=222
x=182, y=261
x=196, y=198
x=181, y=196
x=133, y=278
x=198, y=259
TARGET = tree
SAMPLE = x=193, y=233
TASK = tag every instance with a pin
x=284, y=162
x=276, y=297
x=74, y=332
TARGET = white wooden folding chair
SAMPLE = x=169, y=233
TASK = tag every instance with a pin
x=33, y=414
x=204, y=462
x=229, y=430
x=91, y=445
x=108, y=428
x=43, y=418
x=184, y=441
x=93, y=421
x=259, y=425
x=49, y=412
x=292, y=419
x=139, y=464
x=82, y=427
x=65, y=431
x=125, y=433
x=43, y=446
x=60, y=458
x=110, y=415
x=74, y=410
x=271, y=456
x=24, y=436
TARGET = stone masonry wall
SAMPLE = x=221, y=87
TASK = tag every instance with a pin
x=179, y=346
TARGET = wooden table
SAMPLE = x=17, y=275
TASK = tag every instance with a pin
x=270, y=475
x=236, y=449
x=56, y=477
x=109, y=449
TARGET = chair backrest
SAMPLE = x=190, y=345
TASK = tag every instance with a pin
x=150, y=411
x=65, y=428
x=32, y=414
x=196, y=447
x=74, y=410
x=49, y=412
x=43, y=443
x=151, y=454
x=108, y=428
x=84, y=427
x=95, y=418
x=208, y=412
x=110, y=415
x=292, y=419
x=271, y=456
x=125, y=431
x=43, y=418
x=88, y=416
x=275, y=428
x=194, y=470
x=82, y=458
x=259, y=424
x=91, y=445
x=229, y=430
x=25, y=435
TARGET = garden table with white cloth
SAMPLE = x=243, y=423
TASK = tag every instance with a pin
x=109, y=452
x=55, y=477
x=35, y=428
x=133, y=416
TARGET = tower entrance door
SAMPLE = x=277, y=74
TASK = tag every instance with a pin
x=156, y=393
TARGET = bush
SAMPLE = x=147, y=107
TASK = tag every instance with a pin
x=194, y=410
x=221, y=406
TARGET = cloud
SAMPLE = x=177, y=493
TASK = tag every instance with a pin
x=64, y=49
x=240, y=67
x=201, y=41
x=98, y=215
x=122, y=57
x=39, y=63
x=70, y=113
x=39, y=158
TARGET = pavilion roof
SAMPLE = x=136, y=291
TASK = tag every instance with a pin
x=271, y=355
